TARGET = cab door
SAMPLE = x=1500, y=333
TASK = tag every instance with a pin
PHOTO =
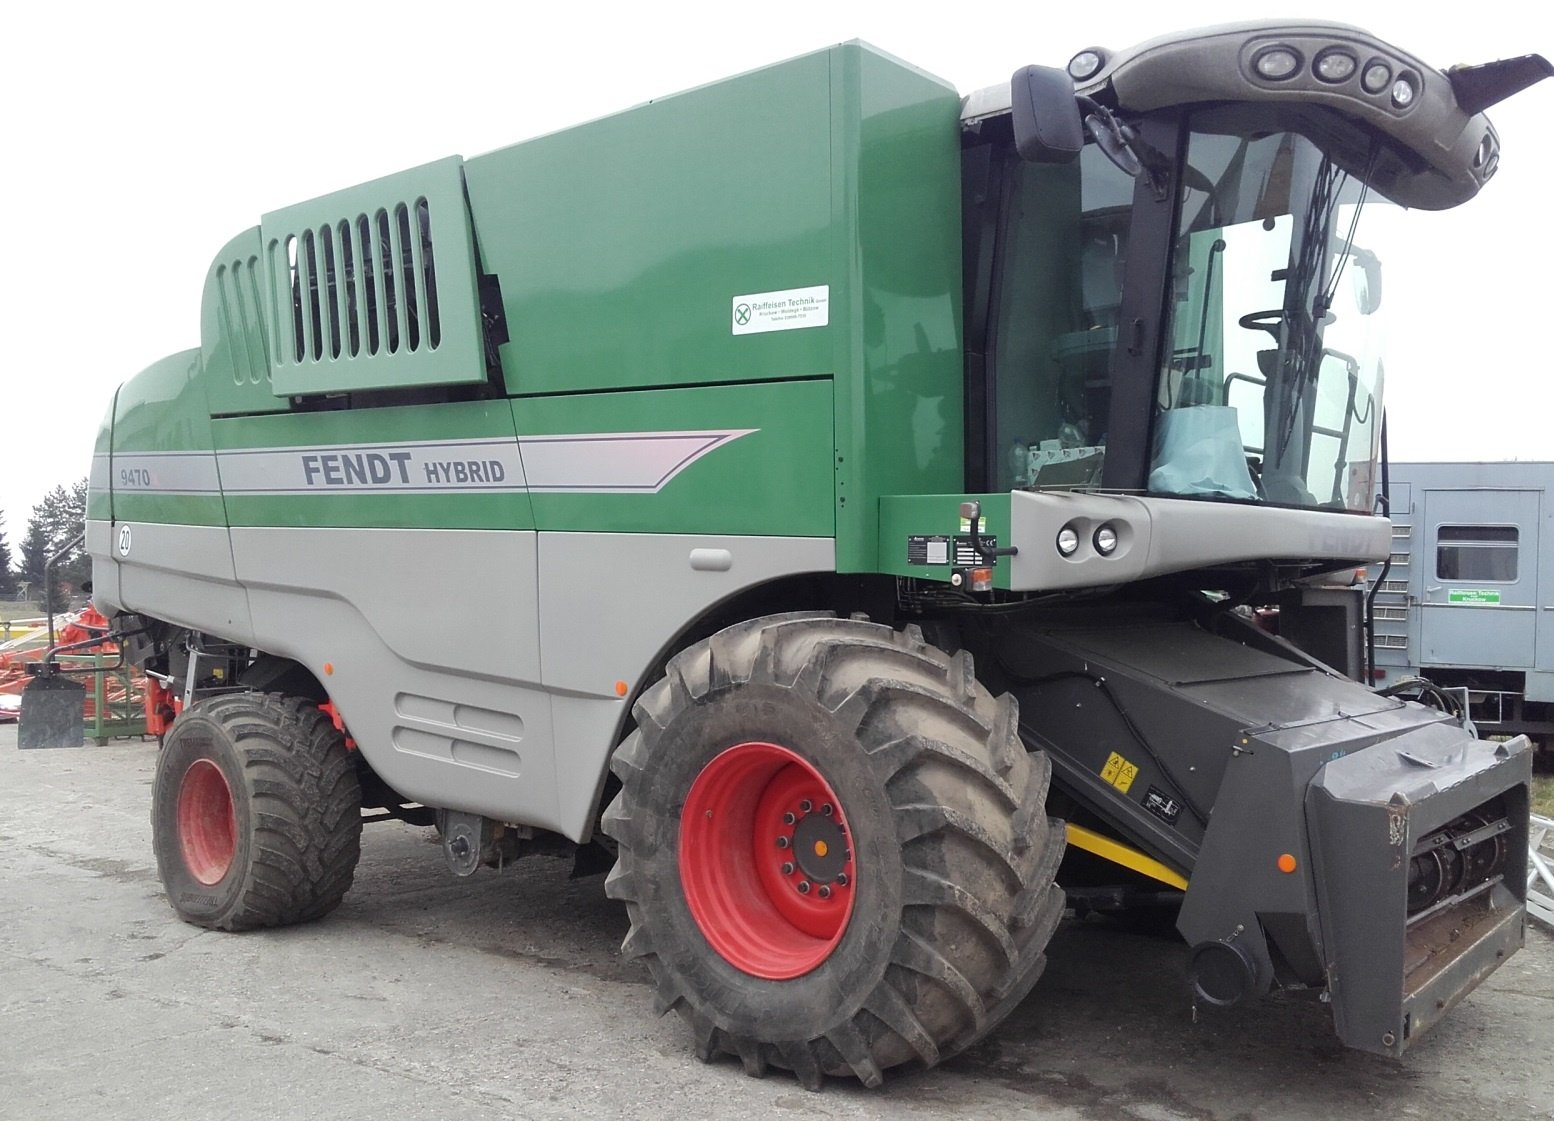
x=1479, y=587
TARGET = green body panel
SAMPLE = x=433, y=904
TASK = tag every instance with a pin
x=234, y=342
x=774, y=480
x=622, y=248
x=385, y=273
x=99, y=485
x=904, y=516
x=164, y=409
x=466, y=420
x=895, y=136
x=622, y=245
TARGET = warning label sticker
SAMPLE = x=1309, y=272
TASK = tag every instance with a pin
x=1119, y=772
x=787, y=310
x=1162, y=805
x=967, y=557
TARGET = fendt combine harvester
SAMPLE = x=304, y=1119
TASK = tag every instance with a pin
x=773, y=488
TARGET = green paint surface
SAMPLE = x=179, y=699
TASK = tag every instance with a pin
x=99, y=491
x=620, y=247
x=776, y=480
x=620, y=244
x=897, y=238
x=163, y=409
x=385, y=304
x=234, y=336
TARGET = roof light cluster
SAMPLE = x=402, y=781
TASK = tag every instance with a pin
x=1339, y=65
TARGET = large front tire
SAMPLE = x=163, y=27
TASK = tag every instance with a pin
x=255, y=813
x=766, y=746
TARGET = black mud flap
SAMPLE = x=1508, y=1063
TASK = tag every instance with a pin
x=1421, y=845
x=52, y=713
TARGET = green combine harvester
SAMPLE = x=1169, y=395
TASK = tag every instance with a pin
x=849, y=511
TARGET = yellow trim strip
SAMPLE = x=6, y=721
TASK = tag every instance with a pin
x=1119, y=853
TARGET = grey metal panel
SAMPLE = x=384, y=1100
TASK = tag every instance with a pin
x=1482, y=484
x=432, y=654
x=105, y=573
x=1501, y=635
x=1161, y=535
x=611, y=601
x=180, y=573
x=1366, y=812
x=442, y=687
x=456, y=599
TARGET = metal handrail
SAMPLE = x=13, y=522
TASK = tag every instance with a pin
x=1540, y=870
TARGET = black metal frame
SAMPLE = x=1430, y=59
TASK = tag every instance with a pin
x=1146, y=288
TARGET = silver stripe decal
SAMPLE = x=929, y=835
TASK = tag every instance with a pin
x=160, y=472
x=412, y=467
x=584, y=463
x=616, y=462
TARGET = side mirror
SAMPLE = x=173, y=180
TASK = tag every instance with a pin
x=1367, y=280
x=1047, y=126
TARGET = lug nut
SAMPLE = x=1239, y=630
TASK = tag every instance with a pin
x=825, y=891
x=787, y=869
x=788, y=819
x=803, y=887
x=827, y=809
x=841, y=879
x=782, y=842
x=805, y=806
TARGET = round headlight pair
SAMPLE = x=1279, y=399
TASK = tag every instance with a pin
x=1105, y=540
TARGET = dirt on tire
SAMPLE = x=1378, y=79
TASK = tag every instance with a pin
x=295, y=802
x=956, y=857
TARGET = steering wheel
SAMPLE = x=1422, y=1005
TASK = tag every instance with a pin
x=1269, y=321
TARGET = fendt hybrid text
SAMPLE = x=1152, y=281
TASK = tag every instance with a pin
x=853, y=513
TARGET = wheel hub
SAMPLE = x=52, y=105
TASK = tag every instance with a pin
x=820, y=847
x=207, y=822
x=766, y=860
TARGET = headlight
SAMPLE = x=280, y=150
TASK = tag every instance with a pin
x=1276, y=63
x=1106, y=540
x=1086, y=65
x=1376, y=77
x=1336, y=65
x=1068, y=540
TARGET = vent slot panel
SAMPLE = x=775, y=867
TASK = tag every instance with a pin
x=374, y=287
x=238, y=285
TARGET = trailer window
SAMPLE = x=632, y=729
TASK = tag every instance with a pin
x=1477, y=552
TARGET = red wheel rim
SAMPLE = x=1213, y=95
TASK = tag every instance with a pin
x=766, y=861
x=207, y=822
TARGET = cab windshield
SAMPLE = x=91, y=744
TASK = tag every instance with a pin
x=1271, y=376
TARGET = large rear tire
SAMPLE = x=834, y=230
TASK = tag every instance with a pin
x=765, y=748
x=255, y=813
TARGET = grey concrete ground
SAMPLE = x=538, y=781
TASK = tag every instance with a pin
x=504, y=997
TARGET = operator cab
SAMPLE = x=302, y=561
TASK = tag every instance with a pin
x=1174, y=265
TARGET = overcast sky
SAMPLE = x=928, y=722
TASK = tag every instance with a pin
x=141, y=137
